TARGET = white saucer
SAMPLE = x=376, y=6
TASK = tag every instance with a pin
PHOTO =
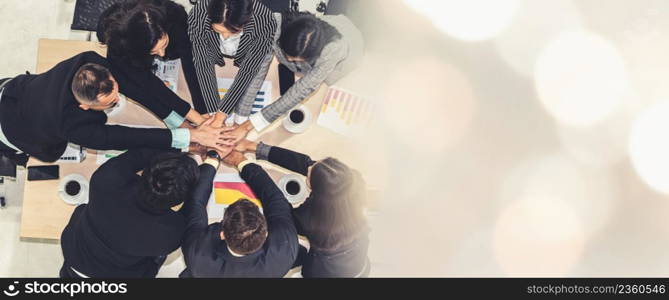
x=80, y=198
x=298, y=127
x=299, y=197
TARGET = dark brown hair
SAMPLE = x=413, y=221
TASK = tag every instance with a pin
x=244, y=227
x=304, y=35
x=169, y=180
x=333, y=215
x=238, y=13
x=90, y=81
x=131, y=29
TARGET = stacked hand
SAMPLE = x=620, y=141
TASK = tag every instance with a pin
x=228, y=141
x=246, y=146
x=212, y=135
x=240, y=131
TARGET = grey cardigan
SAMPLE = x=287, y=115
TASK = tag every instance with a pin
x=337, y=59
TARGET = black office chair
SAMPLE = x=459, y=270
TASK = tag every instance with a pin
x=8, y=163
x=87, y=13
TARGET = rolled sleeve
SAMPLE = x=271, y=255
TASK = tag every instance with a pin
x=262, y=151
x=259, y=122
x=180, y=138
x=244, y=163
x=174, y=120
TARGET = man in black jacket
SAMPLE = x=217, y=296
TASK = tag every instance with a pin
x=131, y=222
x=40, y=114
x=245, y=243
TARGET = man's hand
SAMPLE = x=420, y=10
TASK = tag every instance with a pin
x=234, y=158
x=223, y=151
x=195, y=117
x=198, y=149
x=186, y=124
x=246, y=146
x=210, y=136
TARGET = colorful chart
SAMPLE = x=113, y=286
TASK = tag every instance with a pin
x=345, y=112
x=263, y=97
x=168, y=72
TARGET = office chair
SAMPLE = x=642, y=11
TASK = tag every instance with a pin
x=87, y=13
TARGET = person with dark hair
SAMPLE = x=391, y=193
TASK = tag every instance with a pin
x=131, y=222
x=137, y=32
x=331, y=218
x=247, y=243
x=242, y=30
x=323, y=49
x=40, y=114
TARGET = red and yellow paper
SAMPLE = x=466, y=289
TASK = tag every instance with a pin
x=226, y=193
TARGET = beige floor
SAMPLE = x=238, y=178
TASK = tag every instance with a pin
x=18, y=49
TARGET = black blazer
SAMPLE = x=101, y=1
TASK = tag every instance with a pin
x=39, y=114
x=179, y=47
x=349, y=260
x=116, y=234
x=206, y=255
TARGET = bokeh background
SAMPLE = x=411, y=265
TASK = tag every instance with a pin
x=521, y=137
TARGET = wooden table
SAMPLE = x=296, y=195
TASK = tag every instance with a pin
x=45, y=214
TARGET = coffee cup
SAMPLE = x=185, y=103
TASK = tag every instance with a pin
x=298, y=119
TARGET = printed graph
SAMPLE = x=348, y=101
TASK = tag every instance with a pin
x=344, y=112
x=263, y=97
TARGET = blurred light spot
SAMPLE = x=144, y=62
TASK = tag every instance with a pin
x=581, y=78
x=538, y=237
x=428, y=105
x=589, y=191
x=535, y=24
x=645, y=49
x=602, y=144
x=474, y=257
x=649, y=146
x=472, y=20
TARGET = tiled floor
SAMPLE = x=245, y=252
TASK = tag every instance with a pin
x=18, y=52
x=23, y=257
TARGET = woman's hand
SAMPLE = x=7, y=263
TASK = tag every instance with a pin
x=240, y=132
x=210, y=136
x=219, y=119
x=246, y=146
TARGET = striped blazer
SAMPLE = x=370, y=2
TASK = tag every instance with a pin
x=254, y=47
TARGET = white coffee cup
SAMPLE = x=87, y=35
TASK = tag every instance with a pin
x=73, y=189
x=298, y=119
x=294, y=188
